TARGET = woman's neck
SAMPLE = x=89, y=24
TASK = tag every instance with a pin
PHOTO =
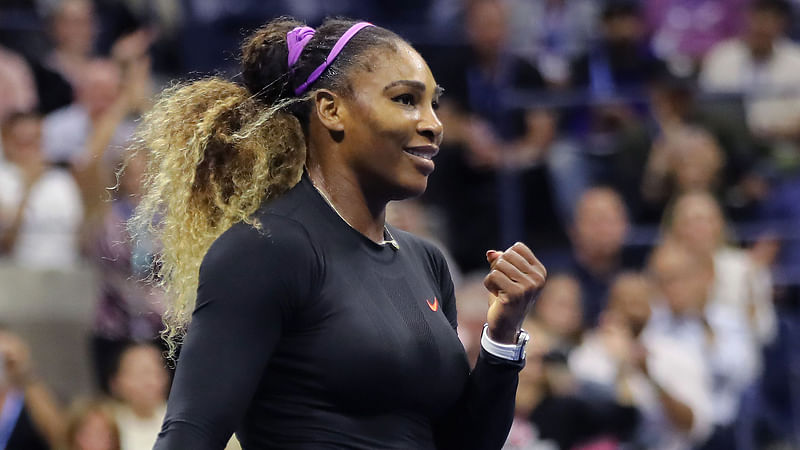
x=348, y=198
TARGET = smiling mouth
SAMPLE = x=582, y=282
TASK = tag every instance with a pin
x=422, y=152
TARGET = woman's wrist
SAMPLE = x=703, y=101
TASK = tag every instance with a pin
x=503, y=335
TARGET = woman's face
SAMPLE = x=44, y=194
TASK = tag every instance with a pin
x=141, y=380
x=559, y=306
x=391, y=130
x=697, y=222
x=95, y=433
x=22, y=141
x=682, y=279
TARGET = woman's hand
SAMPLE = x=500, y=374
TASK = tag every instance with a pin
x=16, y=356
x=516, y=276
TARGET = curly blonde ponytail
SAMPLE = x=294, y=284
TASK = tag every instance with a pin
x=215, y=155
x=218, y=149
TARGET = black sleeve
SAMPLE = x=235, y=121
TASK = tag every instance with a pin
x=482, y=416
x=251, y=282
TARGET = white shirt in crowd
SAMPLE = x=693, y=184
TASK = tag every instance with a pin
x=771, y=87
x=138, y=433
x=676, y=368
x=739, y=283
x=65, y=133
x=48, y=235
x=730, y=353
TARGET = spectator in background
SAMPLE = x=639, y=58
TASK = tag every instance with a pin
x=597, y=235
x=557, y=316
x=139, y=384
x=99, y=89
x=72, y=28
x=552, y=32
x=620, y=61
x=610, y=80
x=107, y=133
x=761, y=64
x=552, y=413
x=675, y=106
x=17, y=88
x=686, y=313
x=663, y=377
x=681, y=160
x=67, y=130
x=92, y=426
x=41, y=211
x=31, y=417
x=740, y=281
x=682, y=31
x=486, y=137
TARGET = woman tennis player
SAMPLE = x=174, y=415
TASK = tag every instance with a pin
x=311, y=323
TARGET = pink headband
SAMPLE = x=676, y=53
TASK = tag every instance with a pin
x=297, y=39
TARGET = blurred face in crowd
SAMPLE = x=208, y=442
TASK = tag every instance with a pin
x=22, y=139
x=600, y=224
x=141, y=379
x=629, y=299
x=623, y=28
x=684, y=278
x=559, y=306
x=487, y=26
x=73, y=26
x=698, y=161
x=96, y=432
x=697, y=222
x=99, y=86
x=669, y=104
x=764, y=28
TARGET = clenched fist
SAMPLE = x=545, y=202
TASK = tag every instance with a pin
x=515, y=277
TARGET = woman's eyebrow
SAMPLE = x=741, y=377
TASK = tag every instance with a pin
x=410, y=83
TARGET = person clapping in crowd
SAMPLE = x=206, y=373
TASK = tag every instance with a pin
x=621, y=358
x=41, y=210
x=30, y=417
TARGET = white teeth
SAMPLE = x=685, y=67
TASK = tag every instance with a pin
x=421, y=155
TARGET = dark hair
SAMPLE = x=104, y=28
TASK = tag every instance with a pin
x=614, y=9
x=780, y=8
x=265, y=68
x=217, y=149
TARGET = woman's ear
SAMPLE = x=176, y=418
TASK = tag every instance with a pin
x=330, y=110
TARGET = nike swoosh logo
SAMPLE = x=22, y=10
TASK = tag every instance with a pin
x=433, y=306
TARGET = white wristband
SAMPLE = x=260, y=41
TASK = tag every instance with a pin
x=512, y=352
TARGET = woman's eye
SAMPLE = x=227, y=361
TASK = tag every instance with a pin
x=406, y=99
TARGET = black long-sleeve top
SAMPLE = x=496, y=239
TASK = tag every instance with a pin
x=308, y=335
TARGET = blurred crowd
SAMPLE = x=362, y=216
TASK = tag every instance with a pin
x=648, y=151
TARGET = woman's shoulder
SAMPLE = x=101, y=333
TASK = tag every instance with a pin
x=265, y=237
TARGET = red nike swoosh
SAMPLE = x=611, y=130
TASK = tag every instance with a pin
x=433, y=306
